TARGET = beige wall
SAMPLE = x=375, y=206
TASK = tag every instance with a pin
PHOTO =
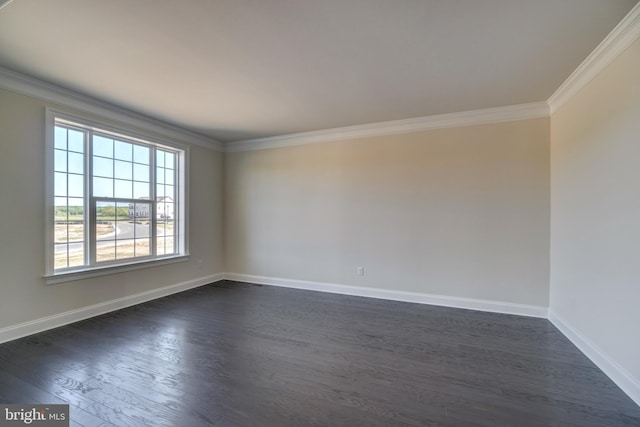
x=24, y=296
x=459, y=212
x=595, y=212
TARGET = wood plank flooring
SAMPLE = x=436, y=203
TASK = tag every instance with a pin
x=234, y=354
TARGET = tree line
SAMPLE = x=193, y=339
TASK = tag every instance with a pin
x=101, y=211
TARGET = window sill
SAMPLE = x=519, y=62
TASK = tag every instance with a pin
x=111, y=269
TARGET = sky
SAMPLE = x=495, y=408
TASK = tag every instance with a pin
x=121, y=169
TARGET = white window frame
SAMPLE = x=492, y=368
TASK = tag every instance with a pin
x=121, y=132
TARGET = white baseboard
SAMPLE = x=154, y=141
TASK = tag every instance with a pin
x=32, y=327
x=623, y=379
x=415, y=297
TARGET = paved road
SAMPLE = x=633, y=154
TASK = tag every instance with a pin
x=125, y=230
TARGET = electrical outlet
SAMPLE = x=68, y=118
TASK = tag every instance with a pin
x=360, y=271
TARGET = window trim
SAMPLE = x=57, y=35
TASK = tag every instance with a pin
x=125, y=132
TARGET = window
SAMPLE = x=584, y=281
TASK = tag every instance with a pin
x=115, y=198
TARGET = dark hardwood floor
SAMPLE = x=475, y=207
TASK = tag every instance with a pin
x=234, y=354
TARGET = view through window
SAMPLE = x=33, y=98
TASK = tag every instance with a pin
x=116, y=199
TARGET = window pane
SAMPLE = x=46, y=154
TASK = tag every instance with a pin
x=159, y=158
x=114, y=222
x=123, y=151
x=169, y=160
x=60, y=209
x=106, y=251
x=60, y=138
x=161, y=228
x=76, y=162
x=60, y=184
x=142, y=227
x=140, y=210
x=123, y=189
x=168, y=176
x=61, y=229
x=160, y=246
x=105, y=231
x=76, y=185
x=123, y=170
x=68, y=232
x=120, y=229
x=169, y=192
x=102, y=146
x=60, y=160
x=76, y=209
x=142, y=247
x=60, y=259
x=159, y=191
x=168, y=210
x=76, y=141
x=141, y=172
x=102, y=167
x=122, y=211
x=161, y=238
x=140, y=190
x=105, y=220
x=168, y=228
x=102, y=187
x=75, y=234
x=105, y=210
x=76, y=255
x=160, y=209
x=141, y=154
x=125, y=228
x=125, y=248
x=164, y=245
x=160, y=175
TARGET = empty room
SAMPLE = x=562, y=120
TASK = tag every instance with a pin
x=319, y=213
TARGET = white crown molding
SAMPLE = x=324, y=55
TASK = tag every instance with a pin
x=45, y=323
x=393, y=295
x=465, y=118
x=617, y=374
x=48, y=92
x=620, y=38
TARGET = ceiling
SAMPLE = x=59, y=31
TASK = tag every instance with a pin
x=241, y=69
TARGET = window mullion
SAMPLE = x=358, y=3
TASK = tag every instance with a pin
x=67, y=198
x=153, y=208
x=176, y=197
x=91, y=242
